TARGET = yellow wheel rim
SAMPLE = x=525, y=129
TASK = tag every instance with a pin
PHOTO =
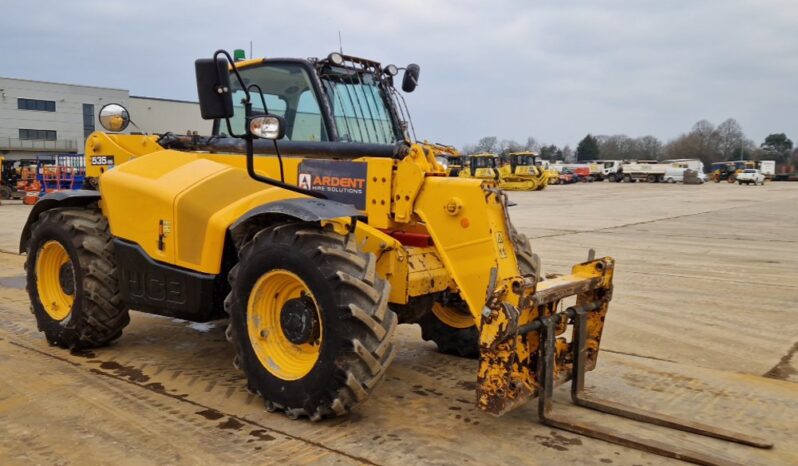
x=52, y=277
x=279, y=355
x=452, y=317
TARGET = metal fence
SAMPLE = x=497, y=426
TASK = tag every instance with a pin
x=37, y=144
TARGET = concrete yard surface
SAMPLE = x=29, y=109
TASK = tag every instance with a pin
x=702, y=325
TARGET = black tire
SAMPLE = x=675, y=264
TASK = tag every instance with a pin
x=357, y=326
x=5, y=193
x=98, y=314
x=464, y=342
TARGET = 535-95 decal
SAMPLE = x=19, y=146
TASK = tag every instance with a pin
x=102, y=160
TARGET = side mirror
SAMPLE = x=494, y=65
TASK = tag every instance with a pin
x=213, y=88
x=410, y=80
x=114, y=118
x=267, y=127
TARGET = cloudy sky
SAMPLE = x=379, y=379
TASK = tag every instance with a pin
x=555, y=70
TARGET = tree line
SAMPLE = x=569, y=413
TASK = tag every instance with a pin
x=704, y=141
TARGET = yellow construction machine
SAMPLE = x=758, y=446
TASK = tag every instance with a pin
x=520, y=168
x=487, y=166
x=481, y=166
x=316, y=232
x=447, y=156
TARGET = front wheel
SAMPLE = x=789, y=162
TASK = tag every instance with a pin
x=72, y=279
x=309, y=320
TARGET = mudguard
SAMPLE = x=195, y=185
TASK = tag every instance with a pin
x=73, y=198
x=306, y=209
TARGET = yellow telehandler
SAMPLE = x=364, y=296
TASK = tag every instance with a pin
x=316, y=232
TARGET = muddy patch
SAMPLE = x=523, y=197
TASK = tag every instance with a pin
x=231, y=423
x=82, y=353
x=210, y=414
x=261, y=434
x=467, y=385
x=132, y=374
x=557, y=441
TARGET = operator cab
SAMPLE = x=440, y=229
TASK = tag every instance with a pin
x=336, y=99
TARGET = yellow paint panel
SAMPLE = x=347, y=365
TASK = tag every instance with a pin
x=138, y=195
x=208, y=195
x=122, y=147
x=467, y=242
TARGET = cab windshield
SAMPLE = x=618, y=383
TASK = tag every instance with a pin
x=524, y=160
x=359, y=105
x=287, y=92
x=484, y=162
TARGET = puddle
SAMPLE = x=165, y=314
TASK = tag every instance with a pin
x=17, y=283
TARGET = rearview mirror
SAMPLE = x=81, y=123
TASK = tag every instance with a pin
x=114, y=118
x=213, y=88
x=410, y=80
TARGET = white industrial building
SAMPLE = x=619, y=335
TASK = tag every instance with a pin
x=43, y=118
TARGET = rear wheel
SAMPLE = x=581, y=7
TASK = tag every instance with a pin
x=450, y=324
x=72, y=279
x=5, y=193
x=309, y=320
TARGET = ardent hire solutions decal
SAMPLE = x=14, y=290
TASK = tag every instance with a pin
x=340, y=181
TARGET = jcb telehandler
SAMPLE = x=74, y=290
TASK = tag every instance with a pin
x=313, y=221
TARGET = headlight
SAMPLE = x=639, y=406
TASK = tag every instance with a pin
x=391, y=70
x=336, y=58
x=267, y=127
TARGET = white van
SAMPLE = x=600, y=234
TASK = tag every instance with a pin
x=674, y=174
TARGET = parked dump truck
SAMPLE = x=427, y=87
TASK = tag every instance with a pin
x=316, y=238
x=634, y=170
